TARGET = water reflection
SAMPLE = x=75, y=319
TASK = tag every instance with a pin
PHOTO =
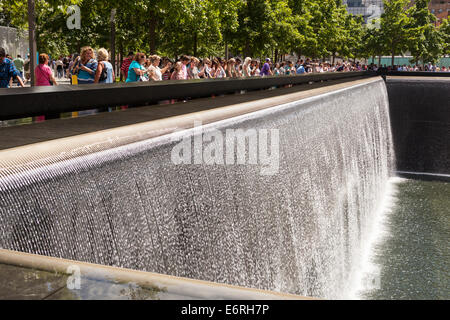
x=17, y=283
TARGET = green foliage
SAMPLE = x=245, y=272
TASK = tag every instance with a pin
x=393, y=25
x=258, y=28
x=444, y=30
x=425, y=43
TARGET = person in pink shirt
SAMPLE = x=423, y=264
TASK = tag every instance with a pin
x=177, y=73
x=43, y=73
x=185, y=61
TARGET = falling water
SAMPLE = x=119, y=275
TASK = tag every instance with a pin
x=300, y=231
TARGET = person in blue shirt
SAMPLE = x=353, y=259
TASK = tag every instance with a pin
x=136, y=69
x=8, y=71
x=301, y=69
x=85, y=67
x=266, y=71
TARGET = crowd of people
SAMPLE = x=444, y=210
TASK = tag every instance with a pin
x=90, y=67
x=411, y=68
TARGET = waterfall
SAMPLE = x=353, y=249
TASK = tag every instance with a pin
x=299, y=231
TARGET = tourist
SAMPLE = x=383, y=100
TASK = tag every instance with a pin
x=59, y=68
x=200, y=68
x=154, y=72
x=238, y=67
x=231, y=69
x=66, y=64
x=167, y=65
x=147, y=65
x=126, y=65
x=43, y=73
x=276, y=70
x=105, y=72
x=255, y=69
x=266, y=71
x=246, y=68
x=193, y=70
x=8, y=71
x=19, y=63
x=321, y=68
x=136, y=71
x=210, y=68
x=282, y=69
x=290, y=68
x=300, y=69
x=85, y=67
x=11, y=79
x=71, y=64
x=219, y=70
x=205, y=72
x=177, y=73
x=287, y=69
x=185, y=60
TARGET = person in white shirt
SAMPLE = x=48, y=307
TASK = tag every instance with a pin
x=154, y=72
x=59, y=68
x=246, y=68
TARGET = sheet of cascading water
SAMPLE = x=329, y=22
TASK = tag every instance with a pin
x=299, y=231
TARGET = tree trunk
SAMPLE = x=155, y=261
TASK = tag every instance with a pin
x=379, y=61
x=32, y=39
x=113, y=39
x=393, y=57
x=226, y=50
x=276, y=55
x=195, y=43
x=121, y=60
x=247, y=49
x=334, y=57
x=152, y=31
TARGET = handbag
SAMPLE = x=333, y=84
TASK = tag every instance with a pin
x=104, y=74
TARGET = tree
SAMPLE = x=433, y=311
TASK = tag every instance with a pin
x=329, y=22
x=372, y=42
x=304, y=11
x=425, y=42
x=253, y=31
x=283, y=27
x=229, y=21
x=354, y=28
x=444, y=30
x=394, y=24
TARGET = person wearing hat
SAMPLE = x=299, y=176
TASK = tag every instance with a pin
x=266, y=71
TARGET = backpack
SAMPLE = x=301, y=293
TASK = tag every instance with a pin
x=104, y=74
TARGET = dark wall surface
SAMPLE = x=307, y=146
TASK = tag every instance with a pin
x=420, y=117
x=51, y=101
